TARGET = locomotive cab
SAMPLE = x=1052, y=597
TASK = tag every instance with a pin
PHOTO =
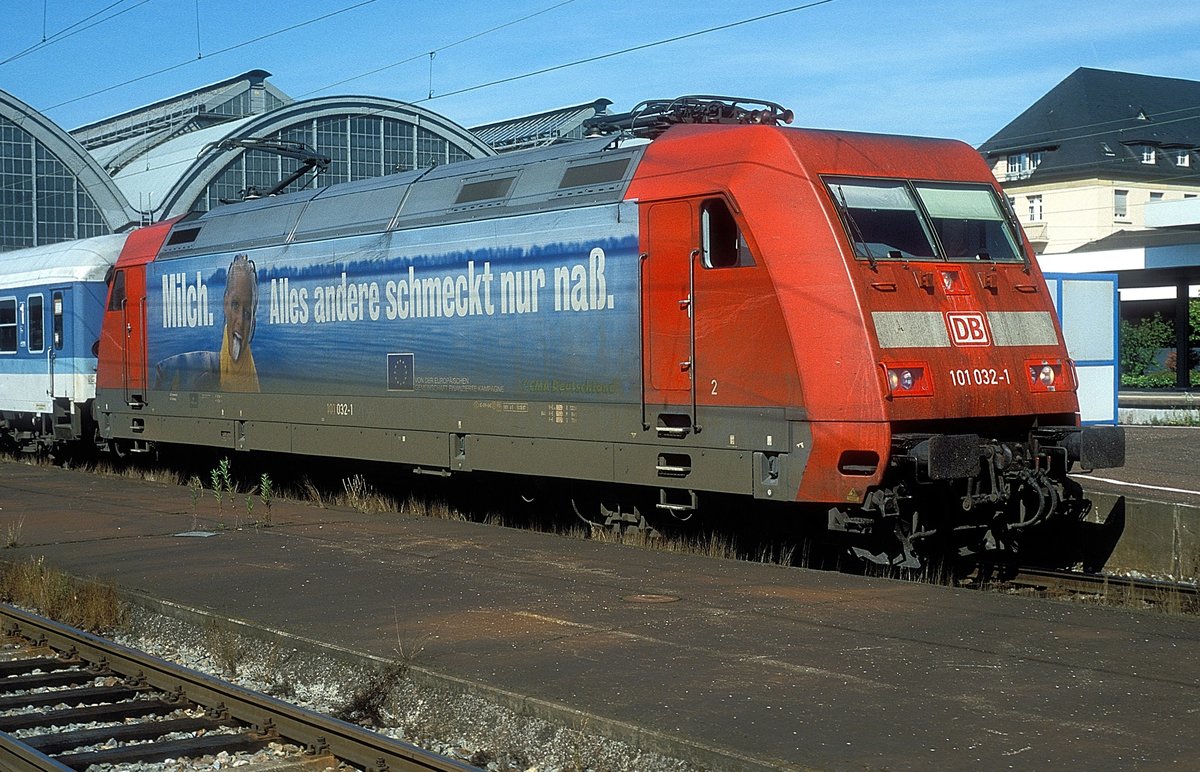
x=895, y=315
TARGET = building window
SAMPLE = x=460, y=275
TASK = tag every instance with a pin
x=1120, y=204
x=1183, y=158
x=1035, y=209
x=41, y=200
x=1155, y=196
x=359, y=147
x=1147, y=154
x=1022, y=164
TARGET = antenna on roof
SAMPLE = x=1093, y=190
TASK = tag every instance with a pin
x=652, y=117
x=310, y=160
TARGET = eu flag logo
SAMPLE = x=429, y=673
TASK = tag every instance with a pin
x=400, y=372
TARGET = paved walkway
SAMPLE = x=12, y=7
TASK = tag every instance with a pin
x=753, y=666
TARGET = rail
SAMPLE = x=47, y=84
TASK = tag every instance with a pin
x=1154, y=592
x=270, y=718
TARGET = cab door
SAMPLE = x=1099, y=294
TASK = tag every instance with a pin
x=668, y=329
x=135, y=337
x=123, y=338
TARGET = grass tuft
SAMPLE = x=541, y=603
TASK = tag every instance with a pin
x=225, y=647
x=87, y=604
x=371, y=698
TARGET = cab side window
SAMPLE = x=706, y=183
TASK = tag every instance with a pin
x=116, y=296
x=721, y=241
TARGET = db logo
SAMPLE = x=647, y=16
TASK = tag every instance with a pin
x=967, y=328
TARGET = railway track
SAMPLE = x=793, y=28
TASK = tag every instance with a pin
x=155, y=710
x=1184, y=596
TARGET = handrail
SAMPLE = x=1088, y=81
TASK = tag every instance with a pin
x=692, y=258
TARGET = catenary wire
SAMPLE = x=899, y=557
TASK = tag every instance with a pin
x=227, y=49
x=69, y=30
x=585, y=60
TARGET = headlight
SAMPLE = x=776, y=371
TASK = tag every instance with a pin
x=907, y=380
x=1047, y=375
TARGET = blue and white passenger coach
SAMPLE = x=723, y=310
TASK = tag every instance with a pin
x=51, y=304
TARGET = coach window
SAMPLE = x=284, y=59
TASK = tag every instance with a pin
x=8, y=325
x=116, y=297
x=722, y=242
x=57, y=299
x=35, y=334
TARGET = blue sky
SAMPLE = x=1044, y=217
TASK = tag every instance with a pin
x=954, y=68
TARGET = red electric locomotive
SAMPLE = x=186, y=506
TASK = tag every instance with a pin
x=849, y=325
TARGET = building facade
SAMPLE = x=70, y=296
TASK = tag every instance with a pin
x=1087, y=159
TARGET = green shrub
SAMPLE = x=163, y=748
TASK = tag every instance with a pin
x=1140, y=342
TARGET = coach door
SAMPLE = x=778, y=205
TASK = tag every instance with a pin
x=61, y=382
x=668, y=322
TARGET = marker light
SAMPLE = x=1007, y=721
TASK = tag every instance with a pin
x=953, y=283
x=908, y=380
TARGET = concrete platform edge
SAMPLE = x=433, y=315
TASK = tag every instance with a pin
x=704, y=756
x=1145, y=535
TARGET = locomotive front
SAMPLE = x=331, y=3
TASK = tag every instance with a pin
x=975, y=386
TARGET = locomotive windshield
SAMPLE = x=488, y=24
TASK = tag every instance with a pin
x=907, y=220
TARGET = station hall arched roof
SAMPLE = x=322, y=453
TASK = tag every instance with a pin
x=52, y=188
x=179, y=175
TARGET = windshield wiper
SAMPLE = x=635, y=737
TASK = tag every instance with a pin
x=855, y=230
x=1010, y=214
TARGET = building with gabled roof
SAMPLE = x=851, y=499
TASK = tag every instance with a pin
x=1085, y=160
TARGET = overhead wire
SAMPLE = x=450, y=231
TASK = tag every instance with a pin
x=69, y=30
x=436, y=50
x=676, y=38
x=631, y=49
x=225, y=50
x=458, y=42
x=585, y=60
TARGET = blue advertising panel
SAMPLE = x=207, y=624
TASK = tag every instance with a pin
x=537, y=306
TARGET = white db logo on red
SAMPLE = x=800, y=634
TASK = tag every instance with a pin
x=967, y=328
